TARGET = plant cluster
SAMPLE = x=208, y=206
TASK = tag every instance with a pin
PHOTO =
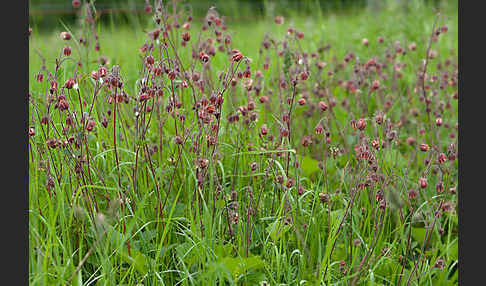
x=294, y=166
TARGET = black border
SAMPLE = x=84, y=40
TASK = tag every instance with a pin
x=14, y=107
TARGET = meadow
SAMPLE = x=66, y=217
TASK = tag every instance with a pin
x=316, y=149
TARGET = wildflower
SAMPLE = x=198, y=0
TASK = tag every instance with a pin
x=65, y=36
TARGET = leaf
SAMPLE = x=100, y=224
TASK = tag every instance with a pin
x=418, y=233
x=276, y=229
x=240, y=265
x=137, y=260
x=309, y=166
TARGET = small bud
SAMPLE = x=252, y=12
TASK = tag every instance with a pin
x=148, y=8
x=76, y=3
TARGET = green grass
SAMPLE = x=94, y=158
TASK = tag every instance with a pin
x=63, y=231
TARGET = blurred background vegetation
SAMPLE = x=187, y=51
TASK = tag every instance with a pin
x=47, y=14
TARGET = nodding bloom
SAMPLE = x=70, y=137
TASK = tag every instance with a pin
x=365, y=42
x=67, y=51
x=323, y=106
x=412, y=194
x=279, y=20
x=76, y=3
x=442, y=158
x=264, y=129
x=306, y=141
x=424, y=147
x=237, y=56
x=102, y=71
x=423, y=182
x=204, y=57
x=69, y=83
x=186, y=36
x=411, y=140
x=361, y=125
x=91, y=124
x=412, y=46
x=324, y=197
x=65, y=36
x=150, y=60
x=375, y=85
x=148, y=8
x=439, y=187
